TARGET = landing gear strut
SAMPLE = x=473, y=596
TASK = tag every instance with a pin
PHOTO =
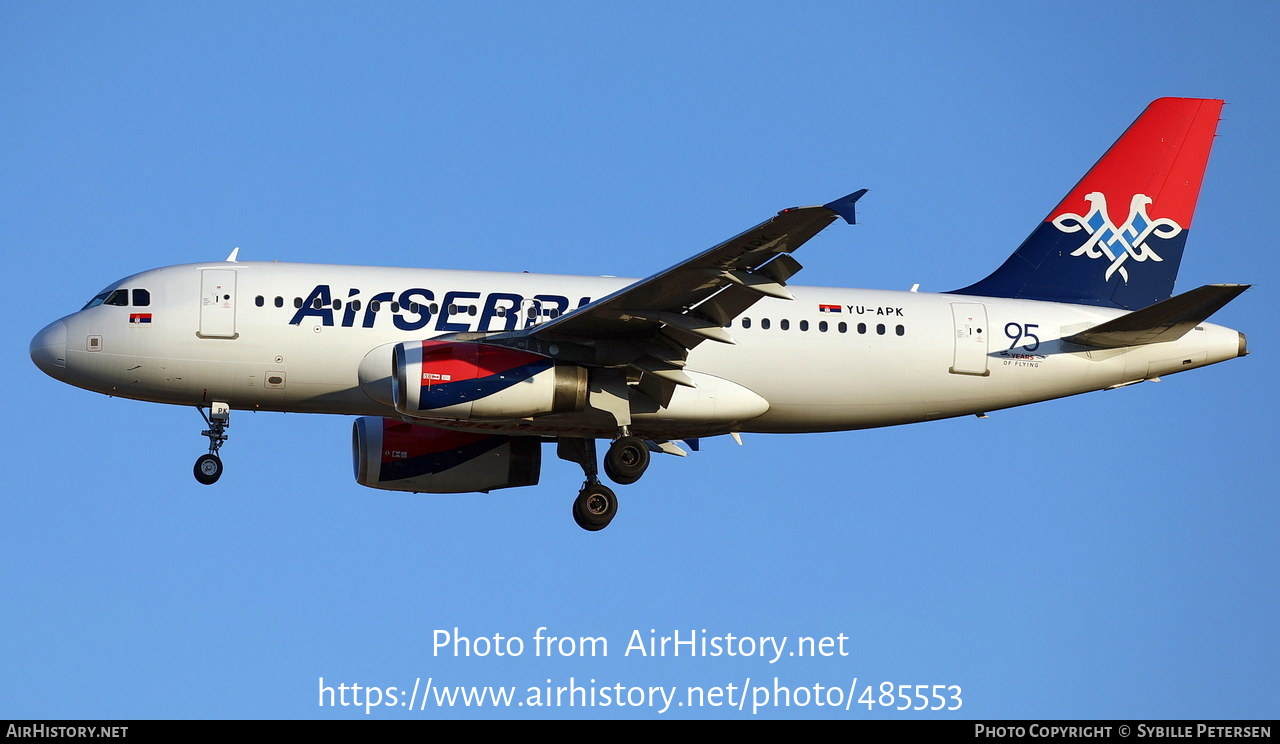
x=208, y=468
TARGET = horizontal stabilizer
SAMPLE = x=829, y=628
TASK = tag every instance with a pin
x=1167, y=320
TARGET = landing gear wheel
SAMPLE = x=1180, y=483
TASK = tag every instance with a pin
x=208, y=469
x=626, y=460
x=595, y=507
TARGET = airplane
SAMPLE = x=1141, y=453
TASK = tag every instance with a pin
x=459, y=377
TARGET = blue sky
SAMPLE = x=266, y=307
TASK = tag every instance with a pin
x=1105, y=556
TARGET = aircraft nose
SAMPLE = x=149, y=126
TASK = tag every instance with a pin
x=49, y=349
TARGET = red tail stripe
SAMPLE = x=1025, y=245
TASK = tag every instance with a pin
x=1162, y=154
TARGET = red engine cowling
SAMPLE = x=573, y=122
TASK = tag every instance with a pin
x=399, y=456
x=463, y=380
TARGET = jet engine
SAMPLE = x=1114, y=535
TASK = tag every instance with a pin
x=399, y=456
x=464, y=380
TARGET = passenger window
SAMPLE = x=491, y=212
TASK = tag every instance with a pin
x=784, y=325
x=746, y=322
x=862, y=328
x=880, y=328
x=374, y=306
x=822, y=326
x=141, y=298
x=297, y=302
x=279, y=301
x=317, y=304
x=395, y=307
x=842, y=327
x=259, y=301
x=804, y=325
x=355, y=305
x=764, y=323
x=900, y=330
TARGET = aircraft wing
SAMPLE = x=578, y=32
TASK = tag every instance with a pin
x=651, y=325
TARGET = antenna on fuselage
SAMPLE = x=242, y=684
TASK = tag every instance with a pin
x=231, y=258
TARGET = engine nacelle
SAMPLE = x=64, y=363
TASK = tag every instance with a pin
x=465, y=381
x=400, y=456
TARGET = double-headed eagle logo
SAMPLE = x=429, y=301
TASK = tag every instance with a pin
x=1117, y=244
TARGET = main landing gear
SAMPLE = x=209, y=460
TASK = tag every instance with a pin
x=208, y=468
x=626, y=460
x=624, y=463
x=595, y=506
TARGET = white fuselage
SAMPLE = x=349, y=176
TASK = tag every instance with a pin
x=829, y=360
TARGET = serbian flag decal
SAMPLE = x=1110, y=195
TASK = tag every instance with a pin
x=828, y=308
x=140, y=318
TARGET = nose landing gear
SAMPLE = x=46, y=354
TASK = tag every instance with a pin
x=208, y=468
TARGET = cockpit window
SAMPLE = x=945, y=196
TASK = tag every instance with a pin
x=97, y=299
x=119, y=298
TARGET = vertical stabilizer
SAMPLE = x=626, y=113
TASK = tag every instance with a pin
x=1116, y=239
